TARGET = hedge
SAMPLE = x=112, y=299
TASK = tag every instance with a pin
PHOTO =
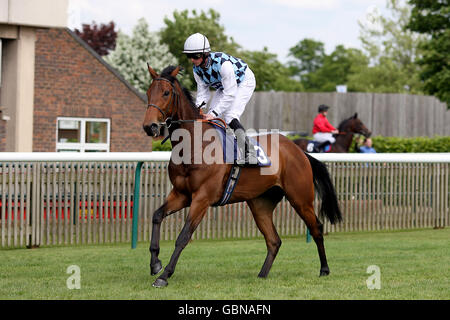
x=415, y=144
x=380, y=143
x=157, y=146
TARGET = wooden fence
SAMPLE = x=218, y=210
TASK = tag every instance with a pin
x=64, y=200
x=384, y=114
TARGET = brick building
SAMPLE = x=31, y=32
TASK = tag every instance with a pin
x=74, y=85
x=57, y=94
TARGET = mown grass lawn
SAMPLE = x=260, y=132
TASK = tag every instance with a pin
x=413, y=265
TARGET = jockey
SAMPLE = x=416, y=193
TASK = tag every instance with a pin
x=234, y=83
x=322, y=129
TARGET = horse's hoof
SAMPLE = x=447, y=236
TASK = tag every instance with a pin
x=324, y=272
x=160, y=283
x=262, y=276
x=155, y=269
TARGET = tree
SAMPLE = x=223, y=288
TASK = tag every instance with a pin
x=184, y=24
x=337, y=69
x=133, y=52
x=384, y=77
x=431, y=18
x=391, y=47
x=270, y=74
x=309, y=56
x=101, y=38
x=321, y=72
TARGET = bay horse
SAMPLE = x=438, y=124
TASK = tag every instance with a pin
x=347, y=128
x=200, y=185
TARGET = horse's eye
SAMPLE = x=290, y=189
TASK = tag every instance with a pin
x=166, y=93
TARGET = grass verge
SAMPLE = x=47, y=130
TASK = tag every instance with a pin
x=413, y=265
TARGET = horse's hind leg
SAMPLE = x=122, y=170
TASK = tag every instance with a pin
x=175, y=201
x=262, y=210
x=305, y=210
x=300, y=194
x=316, y=229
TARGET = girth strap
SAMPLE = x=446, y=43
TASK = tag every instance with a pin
x=232, y=181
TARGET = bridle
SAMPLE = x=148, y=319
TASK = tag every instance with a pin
x=174, y=100
x=351, y=131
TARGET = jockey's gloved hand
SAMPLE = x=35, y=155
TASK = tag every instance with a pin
x=201, y=105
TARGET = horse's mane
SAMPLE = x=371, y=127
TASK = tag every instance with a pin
x=166, y=74
x=343, y=123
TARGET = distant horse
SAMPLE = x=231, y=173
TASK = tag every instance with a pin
x=199, y=186
x=344, y=138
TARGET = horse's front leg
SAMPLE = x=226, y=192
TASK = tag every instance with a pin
x=174, y=202
x=195, y=216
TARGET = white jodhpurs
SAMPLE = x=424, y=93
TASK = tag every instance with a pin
x=324, y=136
x=243, y=94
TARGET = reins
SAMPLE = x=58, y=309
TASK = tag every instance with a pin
x=168, y=122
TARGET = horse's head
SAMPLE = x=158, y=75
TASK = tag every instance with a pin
x=355, y=125
x=163, y=100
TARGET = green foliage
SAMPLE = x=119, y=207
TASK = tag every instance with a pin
x=431, y=18
x=387, y=63
x=132, y=53
x=392, y=50
x=396, y=57
x=157, y=146
x=321, y=72
x=385, y=77
x=416, y=144
x=309, y=56
x=380, y=143
x=270, y=74
x=337, y=68
x=185, y=23
x=298, y=136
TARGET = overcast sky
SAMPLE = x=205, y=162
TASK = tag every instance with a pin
x=254, y=24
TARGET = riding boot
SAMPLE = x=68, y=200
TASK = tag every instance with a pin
x=245, y=146
x=322, y=146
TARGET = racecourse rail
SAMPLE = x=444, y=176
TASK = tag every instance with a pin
x=82, y=198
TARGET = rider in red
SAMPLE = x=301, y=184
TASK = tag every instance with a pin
x=322, y=129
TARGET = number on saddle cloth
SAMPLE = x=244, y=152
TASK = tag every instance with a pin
x=231, y=150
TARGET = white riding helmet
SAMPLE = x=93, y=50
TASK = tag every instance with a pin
x=196, y=43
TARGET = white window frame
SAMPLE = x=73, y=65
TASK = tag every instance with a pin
x=83, y=146
x=1, y=59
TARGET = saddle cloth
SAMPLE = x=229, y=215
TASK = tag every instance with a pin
x=231, y=151
x=313, y=147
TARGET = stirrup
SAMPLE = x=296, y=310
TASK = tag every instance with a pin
x=249, y=156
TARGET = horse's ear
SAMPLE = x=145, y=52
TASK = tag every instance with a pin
x=356, y=115
x=152, y=72
x=175, y=71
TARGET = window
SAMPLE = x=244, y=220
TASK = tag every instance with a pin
x=1, y=62
x=82, y=135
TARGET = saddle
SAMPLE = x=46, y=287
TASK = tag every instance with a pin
x=231, y=152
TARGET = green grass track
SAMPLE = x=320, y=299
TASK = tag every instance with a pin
x=413, y=265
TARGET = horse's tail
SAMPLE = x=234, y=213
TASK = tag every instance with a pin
x=322, y=182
